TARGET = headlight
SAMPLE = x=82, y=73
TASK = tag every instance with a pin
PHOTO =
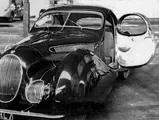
x=36, y=91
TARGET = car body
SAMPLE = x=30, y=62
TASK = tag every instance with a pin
x=72, y=55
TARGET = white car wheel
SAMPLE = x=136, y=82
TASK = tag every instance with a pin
x=124, y=74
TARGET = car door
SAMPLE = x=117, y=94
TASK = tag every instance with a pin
x=135, y=41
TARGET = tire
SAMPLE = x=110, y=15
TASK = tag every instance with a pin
x=10, y=19
x=81, y=90
x=123, y=75
x=21, y=18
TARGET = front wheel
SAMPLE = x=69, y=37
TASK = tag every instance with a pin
x=21, y=18
x=10, y=19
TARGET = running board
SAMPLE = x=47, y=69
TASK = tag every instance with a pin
x=29, y=114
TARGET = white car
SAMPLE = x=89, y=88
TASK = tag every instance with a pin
x=10, y=12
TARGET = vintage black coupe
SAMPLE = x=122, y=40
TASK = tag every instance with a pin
x=73, y=55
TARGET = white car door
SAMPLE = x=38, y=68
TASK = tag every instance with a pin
x=135, y=42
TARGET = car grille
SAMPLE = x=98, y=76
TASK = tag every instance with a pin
x=10, y=77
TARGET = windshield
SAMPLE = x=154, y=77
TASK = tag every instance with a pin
x=82, y=19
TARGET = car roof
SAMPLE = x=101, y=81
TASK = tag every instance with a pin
x=103, y=10
x=80, y=7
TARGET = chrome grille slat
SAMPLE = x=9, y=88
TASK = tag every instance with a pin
x=10, y=77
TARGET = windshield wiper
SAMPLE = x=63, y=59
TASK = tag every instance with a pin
x=65, y=22
x=67, y=19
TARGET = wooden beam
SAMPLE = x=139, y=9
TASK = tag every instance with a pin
x=26, y=18
x=10, y=2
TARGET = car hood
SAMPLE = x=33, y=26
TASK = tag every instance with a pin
x=60, y=38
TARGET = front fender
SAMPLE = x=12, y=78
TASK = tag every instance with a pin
x=39, y=68
x=27, y=54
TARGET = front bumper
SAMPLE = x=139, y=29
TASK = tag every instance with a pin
x=11, y=113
